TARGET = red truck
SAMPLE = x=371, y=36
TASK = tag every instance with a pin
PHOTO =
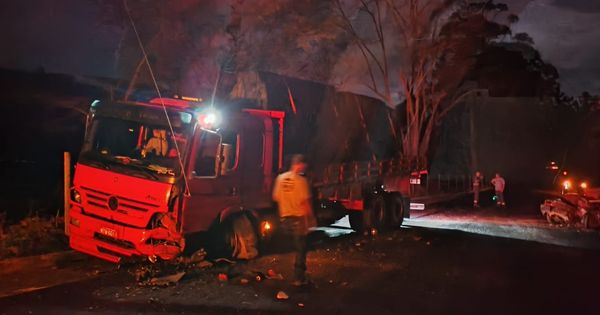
x=153, y=176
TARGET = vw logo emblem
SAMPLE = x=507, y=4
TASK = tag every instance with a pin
x=113, y=203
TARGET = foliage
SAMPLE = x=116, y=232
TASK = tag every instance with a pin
x=33, y=235
x=433, y=48
x=414, y=55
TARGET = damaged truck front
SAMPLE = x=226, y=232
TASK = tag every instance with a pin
x=152, y=175
x=128, y=187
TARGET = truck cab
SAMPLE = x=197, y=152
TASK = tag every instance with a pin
x=151, y=173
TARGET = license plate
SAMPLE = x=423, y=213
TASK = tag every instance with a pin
x=108, y=232
x=417, y=206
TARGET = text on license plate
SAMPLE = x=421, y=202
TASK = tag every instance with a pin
x=108, y=232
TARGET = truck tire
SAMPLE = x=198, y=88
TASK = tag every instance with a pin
x=374, y=215
x=378, y=211
x=395, y=211
x=241, y=238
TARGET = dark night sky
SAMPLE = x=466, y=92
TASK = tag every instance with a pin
x=66, y=36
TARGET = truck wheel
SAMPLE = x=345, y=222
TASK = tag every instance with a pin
x=395, y=211
x=242, y=239
x=375, y=216
x=356, y=221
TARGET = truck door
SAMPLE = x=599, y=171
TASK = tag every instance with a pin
x=255, y=191
x=214, y=179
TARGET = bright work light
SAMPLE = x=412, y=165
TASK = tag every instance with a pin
x=209, y=119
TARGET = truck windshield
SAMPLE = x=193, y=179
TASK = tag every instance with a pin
x=135, y=148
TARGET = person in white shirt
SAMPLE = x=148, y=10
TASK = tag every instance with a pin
x=292, y=195
x=499, y=184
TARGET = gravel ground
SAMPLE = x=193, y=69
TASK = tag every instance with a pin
x=407, y=271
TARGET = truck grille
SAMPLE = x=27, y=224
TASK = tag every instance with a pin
x=100, y=199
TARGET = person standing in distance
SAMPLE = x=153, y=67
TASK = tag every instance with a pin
x=499, y=184
x=292, y=195
x=477, y=180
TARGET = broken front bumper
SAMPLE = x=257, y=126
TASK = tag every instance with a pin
x=112, y=241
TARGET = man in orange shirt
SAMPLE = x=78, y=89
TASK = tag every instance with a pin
x=292, y=194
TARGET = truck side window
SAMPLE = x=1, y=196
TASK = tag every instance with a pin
x=206, y=158
x=230, y=152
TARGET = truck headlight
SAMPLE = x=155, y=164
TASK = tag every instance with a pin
x=75, y=196
x=74, y=221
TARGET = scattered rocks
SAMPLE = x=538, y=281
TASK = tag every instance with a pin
x=204, y=264
x=167, y=280
x=198, y=256
x=282, y=296
x=272, y=275
x=259, y=276
x=222, y=277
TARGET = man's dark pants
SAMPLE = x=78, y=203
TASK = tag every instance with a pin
x=296, y=227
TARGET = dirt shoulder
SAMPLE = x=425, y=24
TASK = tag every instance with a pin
x=415, y=271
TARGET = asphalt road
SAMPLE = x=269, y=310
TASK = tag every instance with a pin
x=412, y=270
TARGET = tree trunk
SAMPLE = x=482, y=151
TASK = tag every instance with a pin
x=426, y=140
x=411, y=143
x=134, y=79
x=473, y=139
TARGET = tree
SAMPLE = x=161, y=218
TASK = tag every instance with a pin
x=430, y=46
x=291, y=38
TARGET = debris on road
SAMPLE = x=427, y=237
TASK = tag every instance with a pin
x=282, y=296
x=222, y=277
x=197, y=256
x=224, y=260
x=259, y=276
x=272, y=275
x=204, y=264
x=166, y=280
